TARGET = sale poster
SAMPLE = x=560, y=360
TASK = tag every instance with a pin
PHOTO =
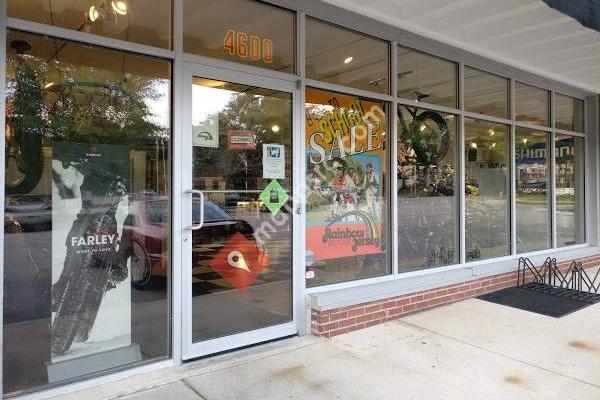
x=345, y=158
x=91, y=288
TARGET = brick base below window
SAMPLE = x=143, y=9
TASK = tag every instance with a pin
x=338, y=321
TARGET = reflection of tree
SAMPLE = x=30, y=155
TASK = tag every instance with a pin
x=84, y=105
x=52, y=102
x=247, y=112
x=25, y=128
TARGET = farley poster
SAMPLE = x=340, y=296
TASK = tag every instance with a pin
x=91, y=299
x=345, y=158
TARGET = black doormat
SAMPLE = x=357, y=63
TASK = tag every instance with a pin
x=534, y=301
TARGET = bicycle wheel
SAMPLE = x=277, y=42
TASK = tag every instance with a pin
x=141, y=267
x=432, y=137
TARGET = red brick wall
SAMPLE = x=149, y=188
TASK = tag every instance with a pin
x=347, y=319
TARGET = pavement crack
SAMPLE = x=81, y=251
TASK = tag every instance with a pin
x=496, y=353
x=193, y=389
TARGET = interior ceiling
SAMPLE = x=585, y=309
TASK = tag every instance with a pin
x=527, y=34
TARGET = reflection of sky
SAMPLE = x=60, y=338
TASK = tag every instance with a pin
x=207, y=101
x=160, y=107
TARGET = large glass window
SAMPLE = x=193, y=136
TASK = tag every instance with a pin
x=243, y=31
x=532, y=162
x=570, y=181
x=487, y=190
x=427, y=197
x=345, y=57
x=427, y=78
x=346, y=200
x=87, y=221
x=486, y=93
x=569, y=113
x=140, y=21
x=532, y=104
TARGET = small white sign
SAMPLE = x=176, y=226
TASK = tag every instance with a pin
x=207, y=134
x=273, y=161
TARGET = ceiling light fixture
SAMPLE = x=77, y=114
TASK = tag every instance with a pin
x=348, y=60
x=93, y=14
x=119, y=6
x=48, y=85
x=275, y=128
x=473, y=145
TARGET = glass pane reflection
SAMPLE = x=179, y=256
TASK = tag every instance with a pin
x=487, y=190
x=242, y=162
x=532, y=195
x=86, y=250
x=427, y=198
x=570, y=195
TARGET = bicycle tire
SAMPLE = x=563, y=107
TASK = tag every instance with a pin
x=146, y=270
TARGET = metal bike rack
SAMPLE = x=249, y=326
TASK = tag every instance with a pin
x=574, y=284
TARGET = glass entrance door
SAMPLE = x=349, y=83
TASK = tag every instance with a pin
x=237, y=216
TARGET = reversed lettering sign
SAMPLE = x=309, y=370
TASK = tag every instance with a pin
x=241, y=140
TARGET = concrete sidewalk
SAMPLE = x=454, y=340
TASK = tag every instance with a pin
x=468, y=350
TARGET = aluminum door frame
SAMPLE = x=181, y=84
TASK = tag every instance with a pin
x=191, y=350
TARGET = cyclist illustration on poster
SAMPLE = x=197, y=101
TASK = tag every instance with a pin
x=344, y=155
x=91, y=306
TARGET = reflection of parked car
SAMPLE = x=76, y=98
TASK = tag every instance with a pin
x=33, y=212
x=233, y=199
x=146, y=230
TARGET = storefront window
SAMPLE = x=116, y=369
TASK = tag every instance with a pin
x=243, y=31
x=487, y=190
x=532, y=104
x=569, y=113
x=140, y=21
x=427, y=198
x=426, y=78
x=570, y=180
x=347, y=214
x=532, y=195
x=86, y=245
x=344, y=57
x=486, y=93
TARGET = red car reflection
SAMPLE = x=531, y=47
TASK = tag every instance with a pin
x=146, y=232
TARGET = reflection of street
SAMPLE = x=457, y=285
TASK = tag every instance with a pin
x=533, y=223
x=566, y=212
x=263, y=305
x=487, y=227
x=27, y=290
x=27, y=311
x=427, y=235
x=271, y=234
x=267, y=299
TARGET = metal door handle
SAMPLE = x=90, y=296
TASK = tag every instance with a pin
x=201, y=223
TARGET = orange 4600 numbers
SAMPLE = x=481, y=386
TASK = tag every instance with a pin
x=254, y=47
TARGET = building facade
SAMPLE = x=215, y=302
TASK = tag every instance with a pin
x=183, y=178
